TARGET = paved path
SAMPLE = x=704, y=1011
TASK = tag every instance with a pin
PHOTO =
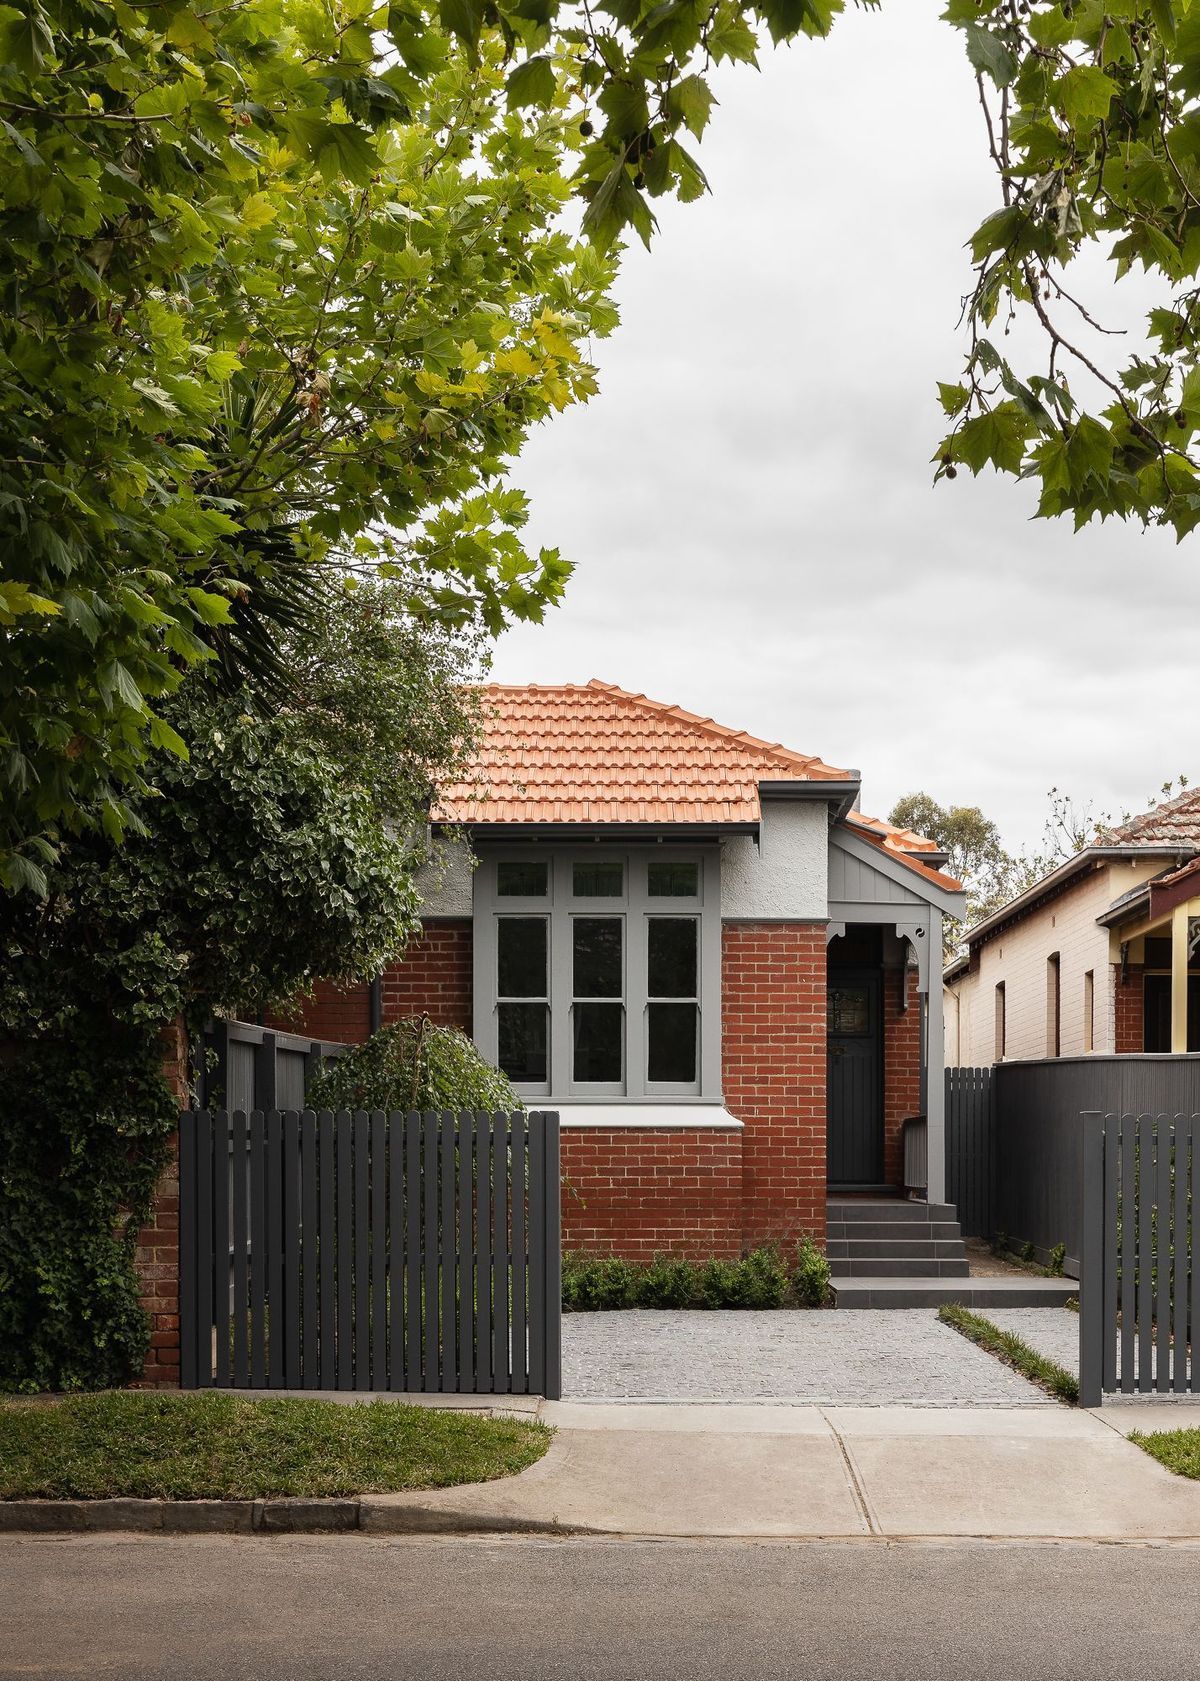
x=216, y=1609
x=865, y=1358
x=1052, y=1331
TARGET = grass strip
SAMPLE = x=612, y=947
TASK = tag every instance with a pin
x=1178, y=1450
x=1013, y=1350
x=226, y=1446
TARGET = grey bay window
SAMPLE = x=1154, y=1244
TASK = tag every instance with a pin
x=597, y=971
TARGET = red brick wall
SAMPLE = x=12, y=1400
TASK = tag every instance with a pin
x=1128, y=1001
x=642, y=1193
x=774, y=1060
x=433, y=978
x=157, y=1257
x=341, y=1014
x=901, y=1067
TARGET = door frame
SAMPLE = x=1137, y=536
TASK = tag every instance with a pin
x=873, y=978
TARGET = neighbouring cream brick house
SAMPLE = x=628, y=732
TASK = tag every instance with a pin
x=1098, y=956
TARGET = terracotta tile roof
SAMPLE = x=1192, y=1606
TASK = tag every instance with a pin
x=1174, y=823
x=901, y=844
x=573, y=753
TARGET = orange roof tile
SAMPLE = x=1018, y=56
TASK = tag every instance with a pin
x=594, y=753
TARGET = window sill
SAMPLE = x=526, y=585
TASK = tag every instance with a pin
x=691, y=1117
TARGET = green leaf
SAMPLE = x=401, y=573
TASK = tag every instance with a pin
x=209, y=608
x=532, y=83
x=1084, y=95
x=345, y=149
x=463, y=18
x=953, y=398
x=25, y=37
x=162, y=735
x=690, y=102
x=989, y=56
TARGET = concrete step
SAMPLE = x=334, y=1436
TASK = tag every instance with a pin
x=896, y=1249
x=896, y=1230
x=893, y=1208
x=980, y=1293
x=871, y=1266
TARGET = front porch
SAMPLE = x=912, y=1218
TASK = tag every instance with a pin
x=1155, y=945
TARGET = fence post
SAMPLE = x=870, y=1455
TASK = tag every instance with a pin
x=1092, y=1238
x=553, y=1260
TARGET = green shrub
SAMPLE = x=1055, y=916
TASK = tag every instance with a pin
x=717, y=1283
x=757, y=1280
x=596, y=1283
x=667, y=1282
x=1058, y=1260
x=412, y=1065
x=810, y=1275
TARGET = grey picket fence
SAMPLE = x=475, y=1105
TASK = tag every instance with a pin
x=1139, y=1286
x=970, y=1147
x=370, y=1251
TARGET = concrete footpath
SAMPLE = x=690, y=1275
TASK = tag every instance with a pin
x=798, y=1471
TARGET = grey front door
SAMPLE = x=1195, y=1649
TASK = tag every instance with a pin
x=854, y=1142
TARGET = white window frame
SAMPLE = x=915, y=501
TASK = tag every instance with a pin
x=636, y=907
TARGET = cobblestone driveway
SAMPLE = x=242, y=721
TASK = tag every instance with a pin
x=866, y=1357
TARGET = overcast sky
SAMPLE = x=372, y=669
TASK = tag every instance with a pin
x=749, y=501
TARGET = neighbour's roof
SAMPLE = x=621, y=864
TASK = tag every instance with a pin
x=594, y=754
x=1173, y=823
x=1170, y=827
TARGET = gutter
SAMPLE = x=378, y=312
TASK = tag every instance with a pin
x=839, y=792
x=1061, y=875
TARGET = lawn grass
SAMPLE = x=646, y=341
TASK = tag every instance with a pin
x=1013, y=1350
x=226, y=1446
x=1178, y=1450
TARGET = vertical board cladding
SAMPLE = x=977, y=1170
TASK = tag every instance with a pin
x=641, y=1192
x=901, y=1066
x=774, y=1067
x=1129, y=1009
x=432, y=979
x=156, y=1258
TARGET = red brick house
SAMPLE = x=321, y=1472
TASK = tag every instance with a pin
x=693, y=945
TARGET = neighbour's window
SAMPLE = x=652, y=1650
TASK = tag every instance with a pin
x=1089, y=1010
x=602, y=971
x=1053, y=1005
x=1001, y=1024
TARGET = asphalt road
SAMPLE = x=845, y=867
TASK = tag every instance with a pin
x=310, y=1609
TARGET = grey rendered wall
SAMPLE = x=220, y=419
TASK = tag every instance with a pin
x=445, y=885
x=782, y=878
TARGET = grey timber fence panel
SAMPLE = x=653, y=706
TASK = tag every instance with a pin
x=354, y=1251
x=1138, y=1272
x=246, y=1066
x=970, y=1146
x=1039, y=1135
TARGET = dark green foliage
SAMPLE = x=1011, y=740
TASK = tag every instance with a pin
x=810, y=1275
x=1013, y=1350
x=212, y=1447
x=81, y=1145
x=666, y=1282
x=760, y=1279
x=262, y=865
x=413, y=1065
